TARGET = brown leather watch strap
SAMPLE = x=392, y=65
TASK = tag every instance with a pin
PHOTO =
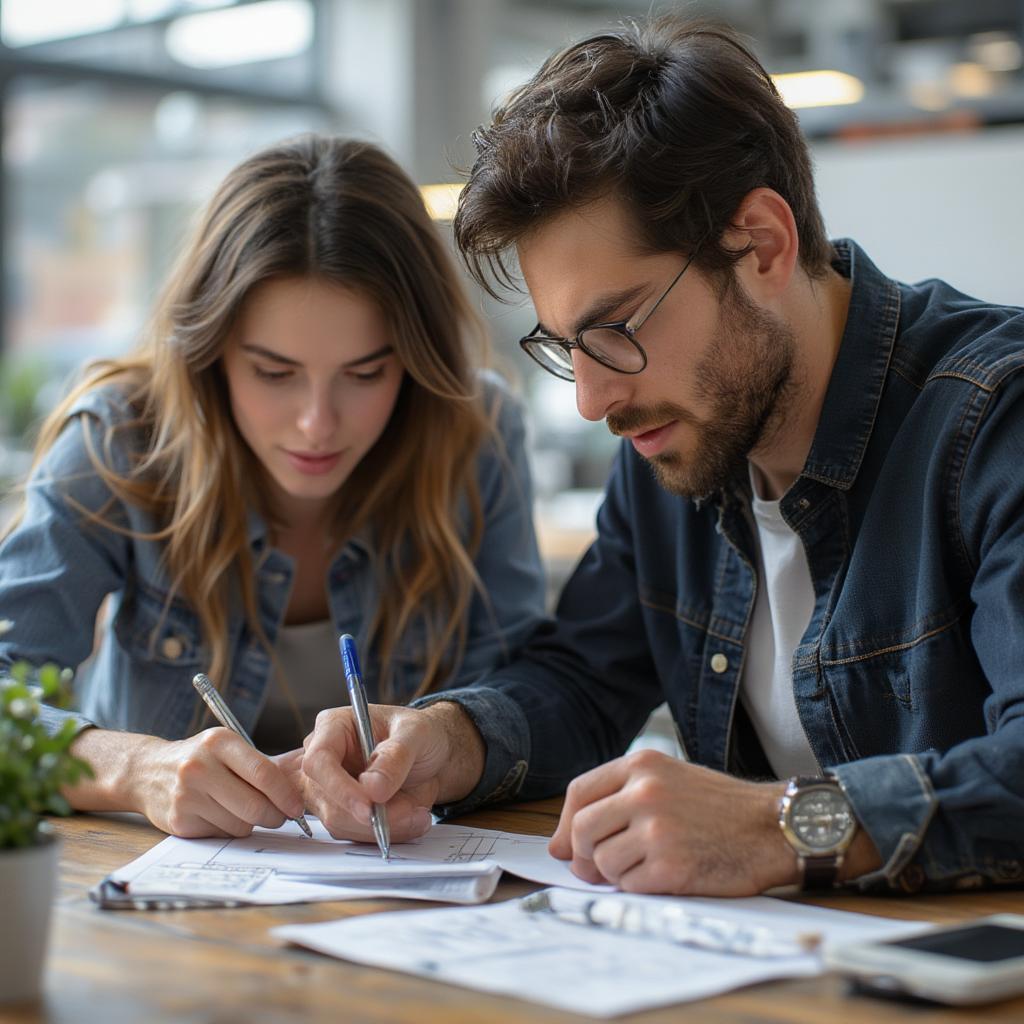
x=820, y=872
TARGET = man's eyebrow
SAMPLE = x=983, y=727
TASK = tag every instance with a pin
x=267, y=353
x=601, y=309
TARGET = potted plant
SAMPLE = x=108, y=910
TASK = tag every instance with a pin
x=33, y=767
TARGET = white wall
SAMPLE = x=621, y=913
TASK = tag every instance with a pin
x=946, y=206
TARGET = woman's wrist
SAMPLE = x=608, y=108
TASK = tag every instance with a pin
x=117, y=760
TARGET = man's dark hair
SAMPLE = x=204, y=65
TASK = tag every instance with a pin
x=678, y=118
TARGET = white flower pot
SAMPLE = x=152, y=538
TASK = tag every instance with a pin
x=28, y=881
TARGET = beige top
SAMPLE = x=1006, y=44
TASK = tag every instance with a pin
x=312, y=674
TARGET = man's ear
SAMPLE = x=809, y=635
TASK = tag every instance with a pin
x=764, y=221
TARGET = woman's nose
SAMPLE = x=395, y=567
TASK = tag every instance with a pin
x=318, y=420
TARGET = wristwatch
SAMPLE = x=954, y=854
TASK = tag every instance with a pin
x=818, y=822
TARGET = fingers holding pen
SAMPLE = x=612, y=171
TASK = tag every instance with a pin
x=407, y=819
x=213, y=783
x=342, y=793
x=330, y=764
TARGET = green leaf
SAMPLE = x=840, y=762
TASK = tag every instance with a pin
x=34, y=765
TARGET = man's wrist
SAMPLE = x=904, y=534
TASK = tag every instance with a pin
x=467, y=751
x=859, y=858
x=783, y=865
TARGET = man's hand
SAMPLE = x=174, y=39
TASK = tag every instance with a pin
x=422, y=757
x=648, y=822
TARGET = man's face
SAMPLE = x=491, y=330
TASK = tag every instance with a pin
x=718, y=368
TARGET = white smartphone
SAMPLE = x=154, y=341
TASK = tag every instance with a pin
x=979, y=961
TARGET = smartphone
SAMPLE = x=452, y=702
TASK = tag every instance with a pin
x=977, y=962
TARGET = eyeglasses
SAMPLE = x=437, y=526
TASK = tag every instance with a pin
x=613, y=345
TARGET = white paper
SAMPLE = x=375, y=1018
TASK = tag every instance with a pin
x=450, y=863
x=502, y=949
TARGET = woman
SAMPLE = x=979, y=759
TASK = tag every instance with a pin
x=301, y=446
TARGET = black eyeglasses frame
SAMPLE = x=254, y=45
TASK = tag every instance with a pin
x=535, y=343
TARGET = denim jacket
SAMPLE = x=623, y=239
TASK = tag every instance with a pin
x=909, y=680
x=56, y=569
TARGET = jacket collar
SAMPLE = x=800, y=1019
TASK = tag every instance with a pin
x=855, y=388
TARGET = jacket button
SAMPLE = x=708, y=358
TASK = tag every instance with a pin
x=172, y=647
x=719, y=663
x=912, y=878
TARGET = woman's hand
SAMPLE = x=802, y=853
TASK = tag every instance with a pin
x=211, y=784
x=214, y=784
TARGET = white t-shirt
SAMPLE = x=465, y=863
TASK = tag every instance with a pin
x=782, y=610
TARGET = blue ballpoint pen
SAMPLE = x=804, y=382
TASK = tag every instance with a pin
x=357, y=698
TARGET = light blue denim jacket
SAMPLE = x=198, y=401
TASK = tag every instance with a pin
x=56, y=569
x=909, y=680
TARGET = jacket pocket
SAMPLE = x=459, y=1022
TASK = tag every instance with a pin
x=924, y=694
x=155, y=631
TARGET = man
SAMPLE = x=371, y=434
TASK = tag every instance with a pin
x=812, y=543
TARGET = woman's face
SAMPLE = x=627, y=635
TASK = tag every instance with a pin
x=313, y=379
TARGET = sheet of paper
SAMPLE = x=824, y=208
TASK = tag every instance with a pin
x=499, y=948
x=284, y=866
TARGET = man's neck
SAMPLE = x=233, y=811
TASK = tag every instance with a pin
x=817, y=313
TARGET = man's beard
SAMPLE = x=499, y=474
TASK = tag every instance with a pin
x=744, y=376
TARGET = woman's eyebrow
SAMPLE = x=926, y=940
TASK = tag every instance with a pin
x=259, y=350
x=384, y=350
x=266, y=353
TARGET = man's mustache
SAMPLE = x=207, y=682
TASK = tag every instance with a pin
x=638, y=420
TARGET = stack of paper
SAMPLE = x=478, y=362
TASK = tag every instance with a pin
x=451, y=864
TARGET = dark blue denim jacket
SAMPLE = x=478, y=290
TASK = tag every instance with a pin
x=56, y=569
x=909, y=680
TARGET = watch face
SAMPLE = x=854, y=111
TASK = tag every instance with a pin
x=820, y=818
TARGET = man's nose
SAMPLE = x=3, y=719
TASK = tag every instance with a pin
x=598, y=389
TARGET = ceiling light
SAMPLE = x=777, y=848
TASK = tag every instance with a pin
x=971, y=80
x=930, y=96
x=24, y=22
x=997, y=51
x=818, y=88
x=441, y=201
x=253, y=32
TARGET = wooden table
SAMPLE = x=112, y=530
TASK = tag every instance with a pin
x=222, y=965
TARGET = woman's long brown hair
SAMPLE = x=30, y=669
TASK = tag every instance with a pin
x=340, y=211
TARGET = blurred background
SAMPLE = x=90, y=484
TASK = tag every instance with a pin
x=118, y=117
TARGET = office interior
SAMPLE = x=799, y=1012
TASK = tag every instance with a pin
x=120, y=116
